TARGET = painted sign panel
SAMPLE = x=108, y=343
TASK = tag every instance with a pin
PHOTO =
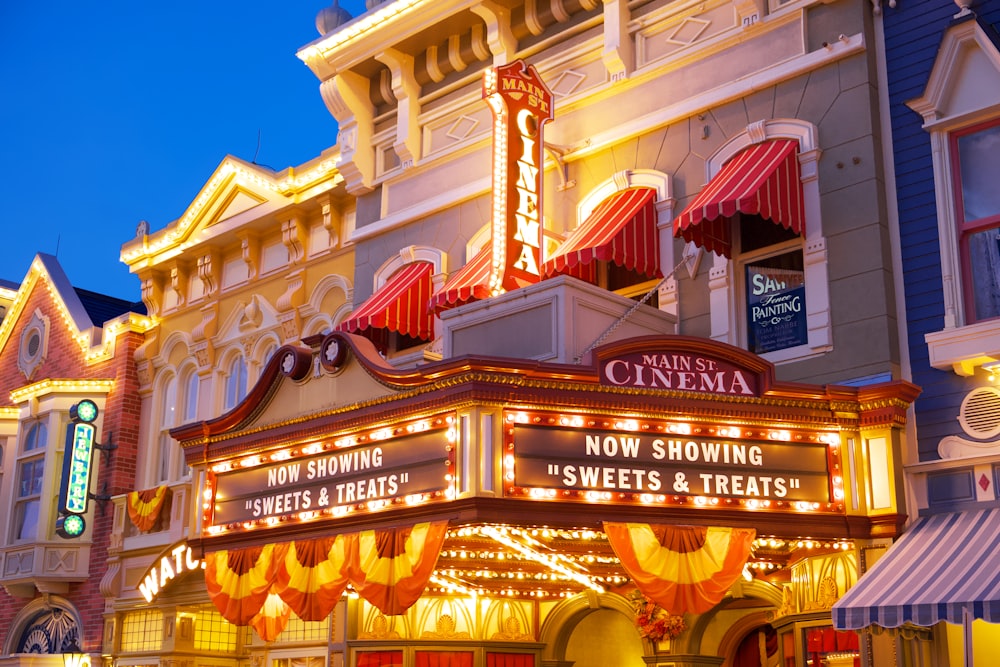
x=345, y=477
x=521, y=106
x=776, y=309
x=680, y=370
x=614, y=461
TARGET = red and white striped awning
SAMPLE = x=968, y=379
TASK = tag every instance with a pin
x=761, y=180
x=622, y=229
x=400, y=305
x=469, y=283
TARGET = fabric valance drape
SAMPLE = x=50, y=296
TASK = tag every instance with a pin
x=144, y=507
x=260, y=586
x=681, y=568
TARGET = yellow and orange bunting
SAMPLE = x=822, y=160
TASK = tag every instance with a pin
x=144, y=507
x=313, y=574
x=681, y=568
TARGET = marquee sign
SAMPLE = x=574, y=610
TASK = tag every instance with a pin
x=176, y=561
x=594, y=460
x=329, y=480
x=681, y=370
x=521, y=105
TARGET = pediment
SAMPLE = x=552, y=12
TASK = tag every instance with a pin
x=965, y=77
x=45, y=300
x=234, y=189
x=239, y=200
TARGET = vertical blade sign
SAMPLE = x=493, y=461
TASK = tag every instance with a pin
x=521, y=106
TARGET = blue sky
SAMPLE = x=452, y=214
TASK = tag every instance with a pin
x=115, y=112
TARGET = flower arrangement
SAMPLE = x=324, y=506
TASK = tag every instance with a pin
x=654, y=622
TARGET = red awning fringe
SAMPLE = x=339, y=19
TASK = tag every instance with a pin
x=469, y=283
x=622, y=229
x=763, y=180
x=400, y=305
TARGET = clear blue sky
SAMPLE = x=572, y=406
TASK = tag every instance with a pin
x=114, y=112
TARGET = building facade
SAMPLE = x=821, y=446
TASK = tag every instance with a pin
x=943, y=70
x=583, y=293
x=61, y=348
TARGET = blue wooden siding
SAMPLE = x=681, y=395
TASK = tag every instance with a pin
x=913, y=32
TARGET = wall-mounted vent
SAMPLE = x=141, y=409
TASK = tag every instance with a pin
x=980, y=413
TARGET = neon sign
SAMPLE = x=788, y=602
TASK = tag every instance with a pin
x=74, y=491
x=169, y=566
x=521, y=105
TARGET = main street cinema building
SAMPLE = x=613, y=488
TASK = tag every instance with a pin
x=580, y=348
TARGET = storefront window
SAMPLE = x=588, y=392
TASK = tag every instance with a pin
x=380, y=659
x=443, y=658
x=825, y=644
x=298, y=630
x=30, y=470
x=976, y=176
x=142, y=631
x=214, y=633
x=510, y=660
x=300, y=661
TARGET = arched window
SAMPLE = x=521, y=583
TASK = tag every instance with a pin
x=191, y=397
x=236, y=382
x=760, y=216
x=46, y=626
x=28, y=493
x=166, y=447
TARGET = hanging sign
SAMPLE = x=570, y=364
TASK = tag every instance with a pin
x=521, y=106
x=74, y=488
x=776, y=309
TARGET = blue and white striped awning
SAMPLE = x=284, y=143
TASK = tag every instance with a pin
x=943, y=566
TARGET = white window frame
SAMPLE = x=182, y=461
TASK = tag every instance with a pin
x=665, y=202
x=24, y=456
x=726, y=289
x=231, y=396
x=162, y=468
x=963, y=90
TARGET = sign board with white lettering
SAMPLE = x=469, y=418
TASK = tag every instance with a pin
x=342, y=477
x=672, y=464
x=776, y=309
x=521, y=105
x=681, y=370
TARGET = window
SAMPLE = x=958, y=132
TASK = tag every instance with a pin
x=191, y=398
x=774, y=285
x=769, y=283
x=976, y=174
x=959, y=111
x=168, y=419
x=28, y=494
x=236, y=382
x=214, y=633
x=34, y=344
x=142, y=631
